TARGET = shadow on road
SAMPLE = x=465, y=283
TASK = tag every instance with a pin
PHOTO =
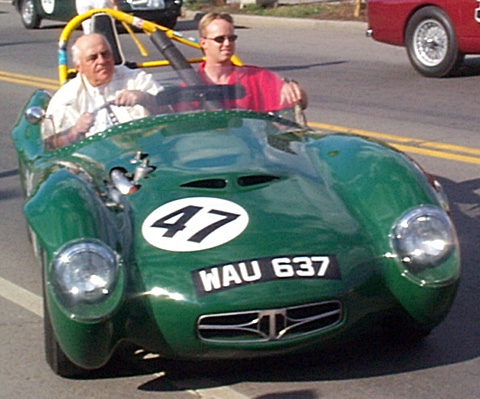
x=470, y=67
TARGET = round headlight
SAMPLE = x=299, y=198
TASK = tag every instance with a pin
x=423, y=238
x=85, y=278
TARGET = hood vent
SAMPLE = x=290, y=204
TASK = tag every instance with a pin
x=255, y=179
x=243, y=181
x=207, y=183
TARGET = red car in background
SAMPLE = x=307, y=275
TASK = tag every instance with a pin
x=436, y=33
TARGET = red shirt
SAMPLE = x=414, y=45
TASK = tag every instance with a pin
x=262, y=87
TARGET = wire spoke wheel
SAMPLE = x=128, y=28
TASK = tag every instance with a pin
x=430, y=42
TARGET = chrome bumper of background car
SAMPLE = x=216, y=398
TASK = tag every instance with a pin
x=147, y=4
x=269, y=325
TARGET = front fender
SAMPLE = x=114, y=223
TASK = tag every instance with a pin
x=65, y=208
x=27, y=137
x=376, y=182
x=379, y=184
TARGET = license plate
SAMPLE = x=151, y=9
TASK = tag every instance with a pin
x=236, y=274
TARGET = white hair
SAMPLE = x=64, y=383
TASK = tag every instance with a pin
x=76, y=50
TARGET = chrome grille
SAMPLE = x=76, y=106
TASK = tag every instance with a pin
x=269, y=325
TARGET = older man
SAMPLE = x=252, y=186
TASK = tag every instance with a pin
x=265, y=91
x=99, y=96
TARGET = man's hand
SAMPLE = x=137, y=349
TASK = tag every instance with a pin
x=293, y=94
x=78, y=131
x=83, y=125
x=75, y=133
x=130, y=98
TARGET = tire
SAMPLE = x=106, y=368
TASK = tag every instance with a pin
x=402, y=329
x=432, y=43
x=54, y=355
x=29, y=15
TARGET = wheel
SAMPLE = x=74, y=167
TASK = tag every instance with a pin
x=56, y=358
x=29, y=15
x=432, y=44
x=402, y=329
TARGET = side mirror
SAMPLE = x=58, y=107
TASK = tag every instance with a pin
x=34, y=115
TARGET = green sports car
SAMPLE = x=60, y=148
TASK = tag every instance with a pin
x=32, y=12
x=205, y=232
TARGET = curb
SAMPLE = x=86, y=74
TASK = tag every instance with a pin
x=260, y=21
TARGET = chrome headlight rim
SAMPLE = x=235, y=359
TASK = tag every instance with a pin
x=423, y=240
x=90, y=293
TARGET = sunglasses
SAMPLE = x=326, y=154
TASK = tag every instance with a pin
x=221, y=39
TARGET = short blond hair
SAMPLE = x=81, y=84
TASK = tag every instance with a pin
x=207, y=19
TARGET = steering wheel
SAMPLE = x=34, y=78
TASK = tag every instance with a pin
x=204, y=95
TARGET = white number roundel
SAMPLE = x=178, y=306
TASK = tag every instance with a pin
x=194, y=224
x=48, y=6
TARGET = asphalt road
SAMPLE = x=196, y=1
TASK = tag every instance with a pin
x=352, y=82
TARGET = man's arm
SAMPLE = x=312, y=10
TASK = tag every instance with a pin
x=292, y=93
x=70, y=136
x=129, y=98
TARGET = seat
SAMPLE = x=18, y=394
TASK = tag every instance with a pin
x=105, y=24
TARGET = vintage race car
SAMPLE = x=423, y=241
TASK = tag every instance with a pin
x=32, y=12
x=437, y=34
x=210, y=231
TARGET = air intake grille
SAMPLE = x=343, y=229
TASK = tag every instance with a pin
x=244, y=181
x=255, y=179
x=269, y=325
x=207, y=183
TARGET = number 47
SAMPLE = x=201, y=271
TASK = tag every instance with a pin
x=177, y=221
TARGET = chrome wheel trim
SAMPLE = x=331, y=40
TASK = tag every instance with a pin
x=27, y=12
x=430, y=42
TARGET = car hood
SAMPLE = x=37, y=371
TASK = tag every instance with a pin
x=268, y=176
x=279, y=195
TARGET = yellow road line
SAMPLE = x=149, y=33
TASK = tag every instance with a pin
x=28, y=77
x=412, y=145
x=406, y=144
x=437, y=154
x=28, y=80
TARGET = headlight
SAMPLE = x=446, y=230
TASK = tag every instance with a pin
x=423, y=239
x=87, y=279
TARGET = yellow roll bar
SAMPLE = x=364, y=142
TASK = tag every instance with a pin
x=148, y=27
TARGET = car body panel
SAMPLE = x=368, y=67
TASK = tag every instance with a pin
x=298, y=254
x=388, y=19
x=323, y=169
